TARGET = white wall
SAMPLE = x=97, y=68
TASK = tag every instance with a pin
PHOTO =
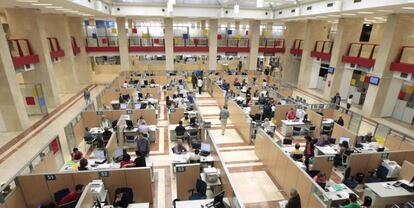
x=391, y=97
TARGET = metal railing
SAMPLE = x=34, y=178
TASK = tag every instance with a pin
x=102, y=41
x=191, y=42
x=233, y=42
x=271, y=43
x=146, y=42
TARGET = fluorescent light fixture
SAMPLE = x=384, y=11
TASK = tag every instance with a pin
x=169, y=7
x=236, y=8
x=408, y=8
x=172, y=2
x=347, y=14
x=366, y=12
x=63, y=9
x=322, y=17
x=41, y=4
x=334, y=15
x=28, y=1
x=53, y=7
x=259, y=3
x=384, y=10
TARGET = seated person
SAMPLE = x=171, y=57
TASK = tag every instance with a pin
x=322, y=141
x=179, y=147
x=140, y=160
x=150, y=106
x=126, y=160
x=195, y=158
x=291, y=114
x=143, y=128
x=353, y=202
x=185, y=120
x=105, y=123
x=83, y=164
x=106, y=135
x=236, y=82
x=120, y=200
x=152, y=81
x=121, y=98
x=87, y=135
x=320, y=179
x=180, y=129
x=368, y=138
x=296, y=153
x=73, y=195
x=143, y=146
x=340, y=121
x=76, y=154
x=140, y=121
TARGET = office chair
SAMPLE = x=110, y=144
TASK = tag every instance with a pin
x=332, y=140
x=349, y=180
x=311, y=130
x=297, y=157
x=58, y=195
x=201, y=188
x=128, y=194
x=367, y=202
x=296, y=131
x=287, y=141
x=313, y=173
x=380, y=175
x=326, y=130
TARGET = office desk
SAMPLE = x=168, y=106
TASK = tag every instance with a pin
x=138, y=205
x=73, y=165
x=134, y=132
x=214, y=187
x=325, y=150
x=196, y=203
x=97, y=131
x=369, y=148
x=287, y=126
x=385, y=193
x=171, y=130
x=337, y=192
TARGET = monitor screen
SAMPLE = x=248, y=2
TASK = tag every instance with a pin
x=137, y=105
x=218, y=199
x=342, y=139
x=374, y=80
x=283, y=102
x=118, y=152
x=123, y=106
x=205, y=147
x=100, y=154
x=331, y=70
x=129, y=123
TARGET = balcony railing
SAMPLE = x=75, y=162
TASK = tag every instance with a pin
x=272, y=45
x=322, y=50
x=233, y=45
x=297, y=48
x=361, y=54
x=190, y=44
x=405, y=60
x=55, y=50
x=102, y=44
x=153, y=44
x=22, y=53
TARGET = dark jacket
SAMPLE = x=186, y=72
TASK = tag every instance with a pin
x=294, y=202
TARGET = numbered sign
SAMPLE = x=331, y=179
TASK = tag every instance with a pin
x=50, y=177
x=180, y=169
x=103, y=174
x=129, y=112
x=172, y=110
x=331, y=158
x=99, y=113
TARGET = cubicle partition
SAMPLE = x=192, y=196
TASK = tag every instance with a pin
x=397, y=142
x=291, y=175
x=340, y=131
x=174, y=116
x=280, y=113
x=40, y=188
x=316, y=120
x=334, y=114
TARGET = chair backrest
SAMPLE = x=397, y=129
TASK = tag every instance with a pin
x=128, y=193
x=201, y=187
x=287, y=141
x=297, y=128
x=312, y=128
x=60, y=194
x=326, y=128
x=332, y=140
x=297, y=156
x=382, y=172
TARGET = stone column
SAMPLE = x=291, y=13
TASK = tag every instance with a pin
x=123, y=43
x=212, y=44
x=254, y=35
x=169, y=44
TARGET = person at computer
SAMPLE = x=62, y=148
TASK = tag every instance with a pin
x=179, y=147
x=105, y=123
x=180, y=129
x=140, y=160
x=236, y=82
x=291, y=114
x=322, y=141
x=121, y=98
x=368, y=138
x=76, y=154
x=73, y=195
x=150, y=106
x=126, y=160
x=147, y=96
x=309, y=150
x=353, y=202
x=296, y=152
x=195, y=157
x=340, y=121
x=320, y=179
x=143, y=146
x=140, y=121
x=83, y=164
x=294, y=200
x=106, y=135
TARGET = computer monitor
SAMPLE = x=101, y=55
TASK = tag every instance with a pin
x=125, y=97
x=283, y=102
x=218, y=200
x=137, y=105
x=129, y=124
x=123, y=106
x=342, y=139
x=205, y=147
x=118, y=152
x=100, y=154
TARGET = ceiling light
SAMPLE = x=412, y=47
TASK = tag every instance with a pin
x=236, y=8
x=172, y=2
x=384, y=10
x=334, y=15
x=169, y=7
x=347, y=14
x=28, y=1
x=41, y=4
x=259, y=3
x=366, y=12
x=410, y=8
x=53, y=7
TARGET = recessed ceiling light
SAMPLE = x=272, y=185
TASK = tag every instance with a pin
x=347, y=14
x=41, y=4
x=408, y=8
x=366, y=12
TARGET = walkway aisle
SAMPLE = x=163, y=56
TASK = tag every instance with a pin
x=253, y=181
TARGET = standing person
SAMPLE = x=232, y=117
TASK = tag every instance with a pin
x=294, y=200
x=143, y=146
x=240, y=65
x=349, y=103
x=309, y=151
x=224, y=115
x=194, y=80
x=87, y=96
x=337, y=100
x=200, y=85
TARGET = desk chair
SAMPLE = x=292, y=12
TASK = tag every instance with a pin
x=296, y=131
x=327, y=130
x=128, y=194
x=201, y=188
x=193, y=138
x=58, y=195
x=287, y=141
x=380, y=175
x=177, y=137
x=348, y=180
x=297, y=157
x=311, y=130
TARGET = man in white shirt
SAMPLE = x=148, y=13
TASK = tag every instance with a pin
x=200, y=85
x=264, y=84
x=105, y=123
x=143, y=128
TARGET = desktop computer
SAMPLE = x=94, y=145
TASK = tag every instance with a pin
x=129, y=124
x=205, y=149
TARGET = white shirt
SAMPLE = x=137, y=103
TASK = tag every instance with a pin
x=264, y=84
x=199, y=83
x=125, y=85
x=349, y=101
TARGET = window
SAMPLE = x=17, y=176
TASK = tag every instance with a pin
x=309, y=8
x=357, y=1
x=330, y=5
x=293, y=10
x=280, y=12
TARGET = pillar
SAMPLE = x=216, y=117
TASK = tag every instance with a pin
x=28, y=24
x=212, y=44
x=291, y=64
x=254, y=35
x=315, y=30
x=123, y=43
x=349, y=30
x=83, y=65
x=397, y=29
x=13, y=116
x=169, y=44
